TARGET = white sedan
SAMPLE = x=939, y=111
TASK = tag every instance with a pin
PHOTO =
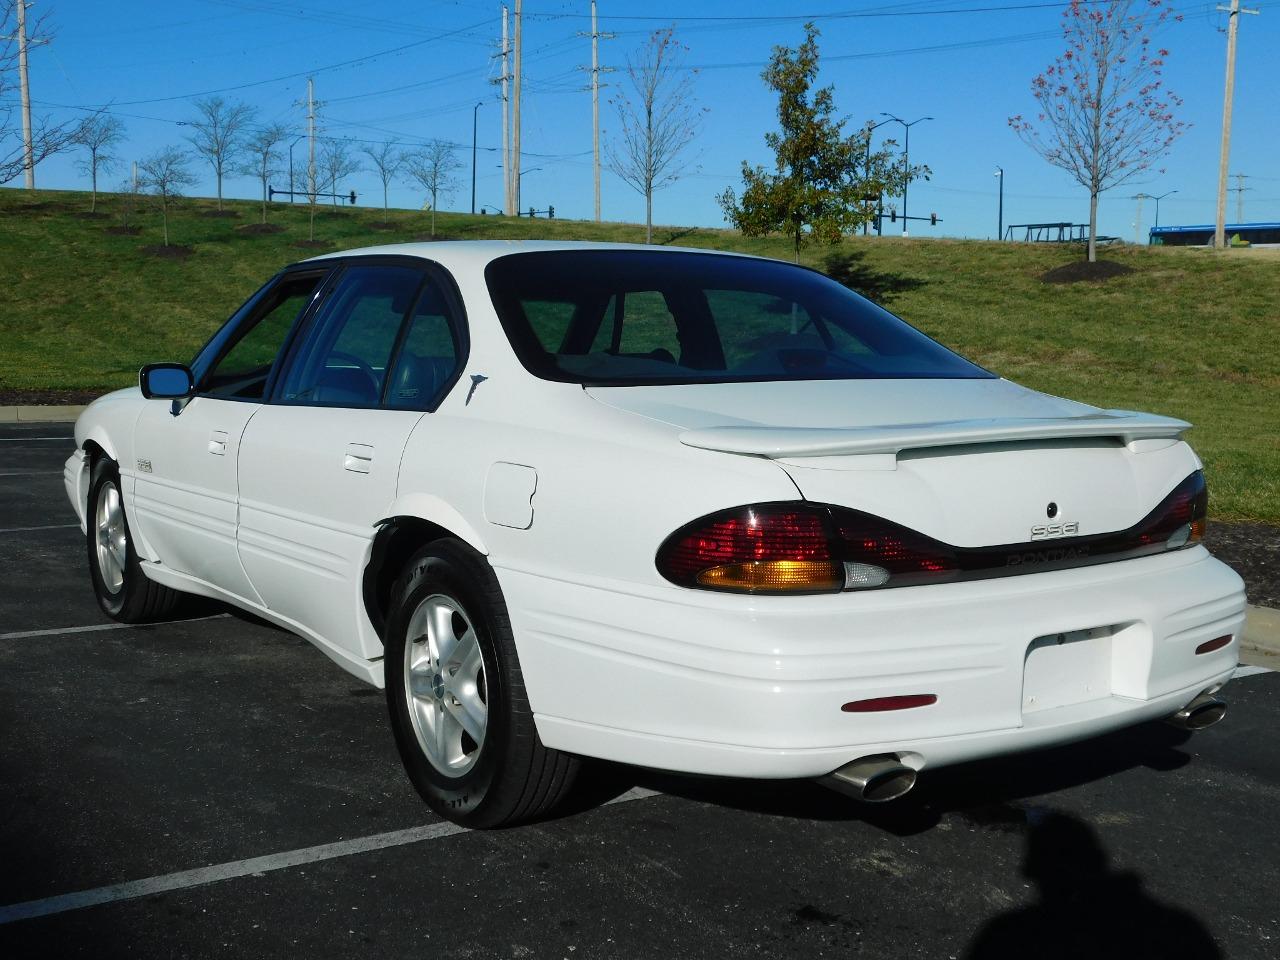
x=689, y=510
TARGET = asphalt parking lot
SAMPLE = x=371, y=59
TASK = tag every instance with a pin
x=216, y=787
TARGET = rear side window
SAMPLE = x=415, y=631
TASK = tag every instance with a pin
x=430, y=355
x=346, y=353
x=245, y=368
x=626, y=317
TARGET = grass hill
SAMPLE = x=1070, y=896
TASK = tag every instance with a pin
x=1189, y=333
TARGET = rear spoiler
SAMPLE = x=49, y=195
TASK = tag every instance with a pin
x=778, y=443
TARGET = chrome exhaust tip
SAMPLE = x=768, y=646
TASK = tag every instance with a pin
x=876, y=779
x=1204, y=711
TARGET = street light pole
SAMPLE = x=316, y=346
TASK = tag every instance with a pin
x=866, y=227
x=474, y=113
x=291, y=146
x=1157, y=200
x=1000, y=220
x=906, y=161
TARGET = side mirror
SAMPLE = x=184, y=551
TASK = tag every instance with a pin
x=166, y=381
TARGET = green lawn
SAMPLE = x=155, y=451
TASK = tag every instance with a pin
x=1191, y=333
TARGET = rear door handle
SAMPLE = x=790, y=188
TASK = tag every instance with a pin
x=218, y=443
x=359, y=458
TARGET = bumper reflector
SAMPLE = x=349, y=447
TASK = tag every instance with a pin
x=880, y=704
x=1217, y=643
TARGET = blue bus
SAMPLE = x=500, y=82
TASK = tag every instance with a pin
x=1257, y=234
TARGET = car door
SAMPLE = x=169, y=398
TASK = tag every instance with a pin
x=319, y=466
x=184, y=499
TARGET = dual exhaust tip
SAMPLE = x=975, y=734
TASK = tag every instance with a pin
x=884, y=777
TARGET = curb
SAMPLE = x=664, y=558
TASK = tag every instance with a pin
x=1262, y=631
x=40, y=414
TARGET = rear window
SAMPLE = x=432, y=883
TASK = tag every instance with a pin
x=627, y=317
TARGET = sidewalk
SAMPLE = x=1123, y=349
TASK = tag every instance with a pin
x=39, y=414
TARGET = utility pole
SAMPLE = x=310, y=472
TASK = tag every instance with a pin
x=1000, y=209
x=1239, y=190
x=596, y=70
x=311, y=139
x=28, y=153
x=1233, y=22
x=515, y=114
x=1137, y=222
x=508, y=203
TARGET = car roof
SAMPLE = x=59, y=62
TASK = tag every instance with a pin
x=478, y=253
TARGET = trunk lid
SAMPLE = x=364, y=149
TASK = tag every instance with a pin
x=969, y=462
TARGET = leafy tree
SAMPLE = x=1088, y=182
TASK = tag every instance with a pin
x=219, y=134
x=47, y=138
x=263, y=151
x=338, y=164
x=98, y=134
x=659, y=123
x=1105, y=115
x=165, y=174
x=433, y=167
x=823, y=179
x=387, y=162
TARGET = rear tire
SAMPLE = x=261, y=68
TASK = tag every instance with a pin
x=123, y=591
x=456, y=696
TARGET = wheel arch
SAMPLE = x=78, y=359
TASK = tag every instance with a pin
x=415, y=522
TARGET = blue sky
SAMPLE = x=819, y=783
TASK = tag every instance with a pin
x=420, y=67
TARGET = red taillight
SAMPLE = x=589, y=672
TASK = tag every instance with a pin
x=1179, y=520
x=904, y=556
x=766, y=548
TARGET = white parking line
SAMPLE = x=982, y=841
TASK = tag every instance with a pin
x=1246, y=670
x=31, y=473
x=50, y=526
x=244, y=868
x=94, y=628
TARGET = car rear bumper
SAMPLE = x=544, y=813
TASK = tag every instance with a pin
x=745, y=686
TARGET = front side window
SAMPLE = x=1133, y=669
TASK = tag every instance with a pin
x=243, y=371
x=621, y=318
x=345, y=355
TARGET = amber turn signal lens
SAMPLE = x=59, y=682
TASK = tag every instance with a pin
x=1197, y=530
x=774, y=575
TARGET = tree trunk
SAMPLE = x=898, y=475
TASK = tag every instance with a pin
x=648, y=215
x=386, y=218
x=164, y=216
x=219, y=191
x=1093, y=226
x=433, y=214
x=264, y=202
x=312, y=235
x=93, y=202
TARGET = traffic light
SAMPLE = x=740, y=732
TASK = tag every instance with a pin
x=893, y=214
x=353, y=198
x=933, y=219
x=551, y=212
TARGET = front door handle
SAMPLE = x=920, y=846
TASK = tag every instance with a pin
x=218, y=443
x=359, y=458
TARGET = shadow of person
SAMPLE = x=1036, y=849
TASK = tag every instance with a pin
x=1087, y=910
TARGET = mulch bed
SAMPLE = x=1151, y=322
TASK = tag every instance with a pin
x=1253, y=549
x=259, y=229
x=123, y=231
x=89, y=215
x=220, y=214
x=1083, y=270
x=313, y=244
x=173, y=251
x=51, y=398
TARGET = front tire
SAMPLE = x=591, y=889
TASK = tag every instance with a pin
x=456, y=696
x=123, y=591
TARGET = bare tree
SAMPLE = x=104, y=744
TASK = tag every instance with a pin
x=337, y=164
x=98, y=134
x=433, y=167
x=164, y=174
x=387, y=161
x=263, y=151
x=128, y=191
x=47, y=137
x=219, y=134
x=1105, y=115
x=659, y=123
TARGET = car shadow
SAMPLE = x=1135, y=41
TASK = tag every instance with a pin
x=1084, y=908
x=989, y=792
x=849, y=267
